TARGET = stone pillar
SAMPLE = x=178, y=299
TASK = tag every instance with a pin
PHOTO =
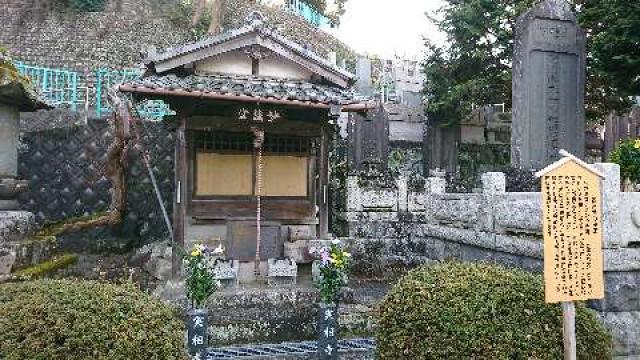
x=9, y=117
x=369, y=140
x=364, y=85
x=612, y=238
x=435, y=185
x=9, y=186
x=548, y=86
x=493, y=183
x=403, y=194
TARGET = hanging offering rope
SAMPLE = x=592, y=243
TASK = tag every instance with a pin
x=259, y=135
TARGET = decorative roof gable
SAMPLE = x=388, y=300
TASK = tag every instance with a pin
x=253, y=35
x=566, y=159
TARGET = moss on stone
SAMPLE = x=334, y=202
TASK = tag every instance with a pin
x=56, y=228
x=47, y=267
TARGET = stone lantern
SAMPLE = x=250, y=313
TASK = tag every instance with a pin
x=16, y=95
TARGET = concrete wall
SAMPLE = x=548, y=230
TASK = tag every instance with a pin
x=404, y=227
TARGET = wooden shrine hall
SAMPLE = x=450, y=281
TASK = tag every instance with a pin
x=254, y=113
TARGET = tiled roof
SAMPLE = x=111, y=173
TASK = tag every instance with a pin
x=255, y=23
x=16, y=89
x=248, y=85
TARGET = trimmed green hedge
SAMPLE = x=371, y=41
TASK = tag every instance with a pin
x=479, y=311
x=63, y=319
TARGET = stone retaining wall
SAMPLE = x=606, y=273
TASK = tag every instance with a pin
x=400, y=227
x=65, y=170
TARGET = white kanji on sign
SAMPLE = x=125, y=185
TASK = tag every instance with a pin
x=198, y=321
x=273, y=116
x=329, y=349
x=257, y=115
x=329, y=332
x=197, y=340
x=328, y=314
x=243, y=114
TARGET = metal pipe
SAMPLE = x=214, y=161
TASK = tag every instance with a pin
x=359, y=107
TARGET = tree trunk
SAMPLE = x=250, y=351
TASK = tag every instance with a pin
x=197, y=14
x=115, y=166
x=217, y=16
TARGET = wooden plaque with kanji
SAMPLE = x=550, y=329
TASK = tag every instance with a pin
x=572, y=229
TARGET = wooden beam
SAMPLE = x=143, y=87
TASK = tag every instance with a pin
x=569, y=329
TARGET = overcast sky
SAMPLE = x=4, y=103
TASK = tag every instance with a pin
x=388, y=27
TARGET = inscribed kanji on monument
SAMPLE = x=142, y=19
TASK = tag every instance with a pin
x=572, y=229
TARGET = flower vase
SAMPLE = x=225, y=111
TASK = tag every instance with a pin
x=197, y=337
x=328, y=327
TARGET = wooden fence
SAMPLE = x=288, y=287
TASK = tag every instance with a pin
x=618, y=128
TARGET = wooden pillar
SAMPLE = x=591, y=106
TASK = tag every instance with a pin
x=180, y=198
x=323, y=198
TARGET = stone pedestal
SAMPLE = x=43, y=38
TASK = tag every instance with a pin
x=226, y=271
x=548, y=86
x=282, y=272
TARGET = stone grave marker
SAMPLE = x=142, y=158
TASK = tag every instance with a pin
x=368, y=139
x=548, y=85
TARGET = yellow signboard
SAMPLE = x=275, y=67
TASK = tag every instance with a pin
x=572, y=229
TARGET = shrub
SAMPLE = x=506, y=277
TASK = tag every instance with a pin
x=627, y=155
x=477, y=311
x=63, y=319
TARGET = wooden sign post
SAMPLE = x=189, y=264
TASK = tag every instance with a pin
x=572, y=229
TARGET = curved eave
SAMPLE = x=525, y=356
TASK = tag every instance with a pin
x=16, y=94
x=164, y=92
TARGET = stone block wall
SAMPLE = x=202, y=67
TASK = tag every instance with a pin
x=81, y=40
x=115, y=36
x=416, y=227
x=65, y=170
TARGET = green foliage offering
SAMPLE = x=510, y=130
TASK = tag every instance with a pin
x=199, y=282
x=334, y=264
x=474, y=67
x=627, y=155
x=56, y=320
x=479, y=311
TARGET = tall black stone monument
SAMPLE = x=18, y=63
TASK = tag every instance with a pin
x=548, y=85
x=369, y=139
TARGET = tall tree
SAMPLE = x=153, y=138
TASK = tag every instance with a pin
x=474, y=67
x=613, y=68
